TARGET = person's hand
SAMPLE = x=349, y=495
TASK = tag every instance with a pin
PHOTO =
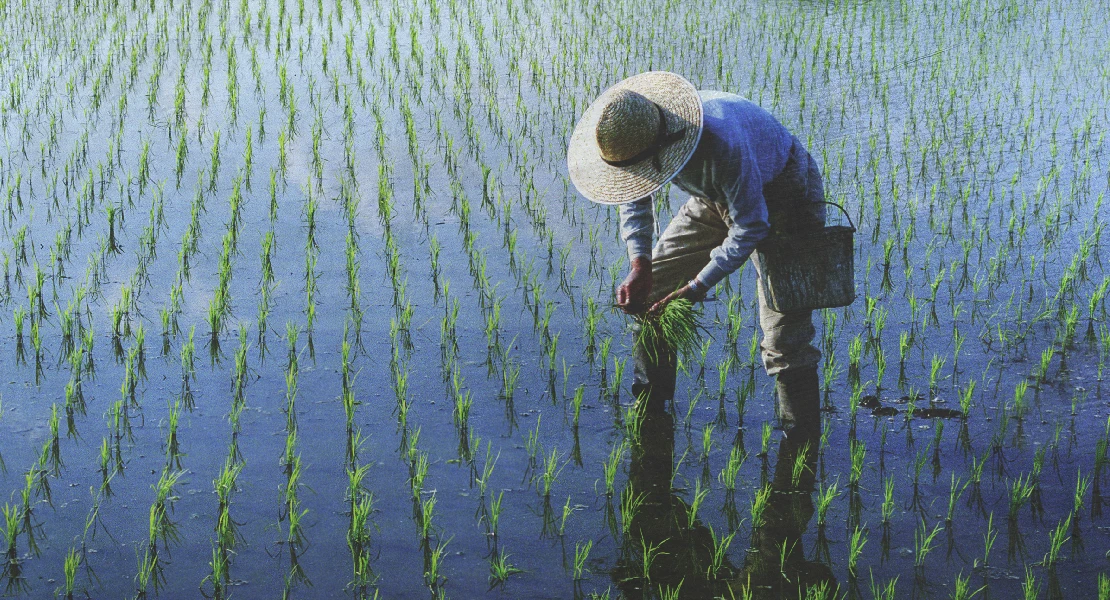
x=633, y=292
x=685, y=291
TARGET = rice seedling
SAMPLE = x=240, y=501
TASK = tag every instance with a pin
x=759, y=505
x=825, y=497
x=1030, y=587
x=856, y=542
x=615, y=459
x=581, y=555
x=495, y=512
x=695, y=504
x=551, y=470
x=500, y=569
x=858, y=452
x=630, y=503
x=1056, y=540
x=731, y=470
x=883, y=592
x=923, y=543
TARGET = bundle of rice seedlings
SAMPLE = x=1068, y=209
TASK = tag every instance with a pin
x=675, y=328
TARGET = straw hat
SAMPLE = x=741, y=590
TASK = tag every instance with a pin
x=635, y=137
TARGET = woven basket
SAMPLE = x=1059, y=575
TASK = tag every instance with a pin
x=809, y=271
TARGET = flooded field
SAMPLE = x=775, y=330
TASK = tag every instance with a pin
x=298, y=302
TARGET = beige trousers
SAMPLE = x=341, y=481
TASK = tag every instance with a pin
x=701, y=225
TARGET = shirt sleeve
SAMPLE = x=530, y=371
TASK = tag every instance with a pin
x=637, y=225
x=741, y=184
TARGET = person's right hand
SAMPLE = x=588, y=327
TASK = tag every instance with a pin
x=633, y=292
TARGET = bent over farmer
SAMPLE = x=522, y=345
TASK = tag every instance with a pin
x=748, y=177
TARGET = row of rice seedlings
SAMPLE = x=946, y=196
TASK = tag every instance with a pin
x=227, y=535
x=291, y=511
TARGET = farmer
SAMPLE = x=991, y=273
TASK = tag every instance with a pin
x=748, y=177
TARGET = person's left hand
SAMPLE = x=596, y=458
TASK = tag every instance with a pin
x=683, y=292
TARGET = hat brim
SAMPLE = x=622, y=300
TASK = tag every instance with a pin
x=603, y=183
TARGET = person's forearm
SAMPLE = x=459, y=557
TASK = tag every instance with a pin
x=728, y=257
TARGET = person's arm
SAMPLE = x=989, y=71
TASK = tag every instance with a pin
x=737, y=179
x=637, y=224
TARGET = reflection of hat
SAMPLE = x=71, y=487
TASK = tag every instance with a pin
x=635, y=137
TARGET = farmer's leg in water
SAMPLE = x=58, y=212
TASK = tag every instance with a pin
x=682, y=251
x=787, y=349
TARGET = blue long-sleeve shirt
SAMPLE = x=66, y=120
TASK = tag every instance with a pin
x=742, y=147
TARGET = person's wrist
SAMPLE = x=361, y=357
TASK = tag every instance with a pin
x=641, y=263
x=696, y=286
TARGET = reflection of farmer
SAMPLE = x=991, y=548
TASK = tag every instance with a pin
x=774, y=566
x=747, y=176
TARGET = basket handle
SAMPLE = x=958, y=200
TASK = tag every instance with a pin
x=846, y=215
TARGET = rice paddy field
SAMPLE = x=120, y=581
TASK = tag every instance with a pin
x=298, y=302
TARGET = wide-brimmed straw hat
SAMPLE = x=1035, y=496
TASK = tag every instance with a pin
x=635, y=137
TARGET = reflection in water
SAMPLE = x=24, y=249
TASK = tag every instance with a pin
x=667, y=552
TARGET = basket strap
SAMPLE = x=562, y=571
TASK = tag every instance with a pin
x=846, y=215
